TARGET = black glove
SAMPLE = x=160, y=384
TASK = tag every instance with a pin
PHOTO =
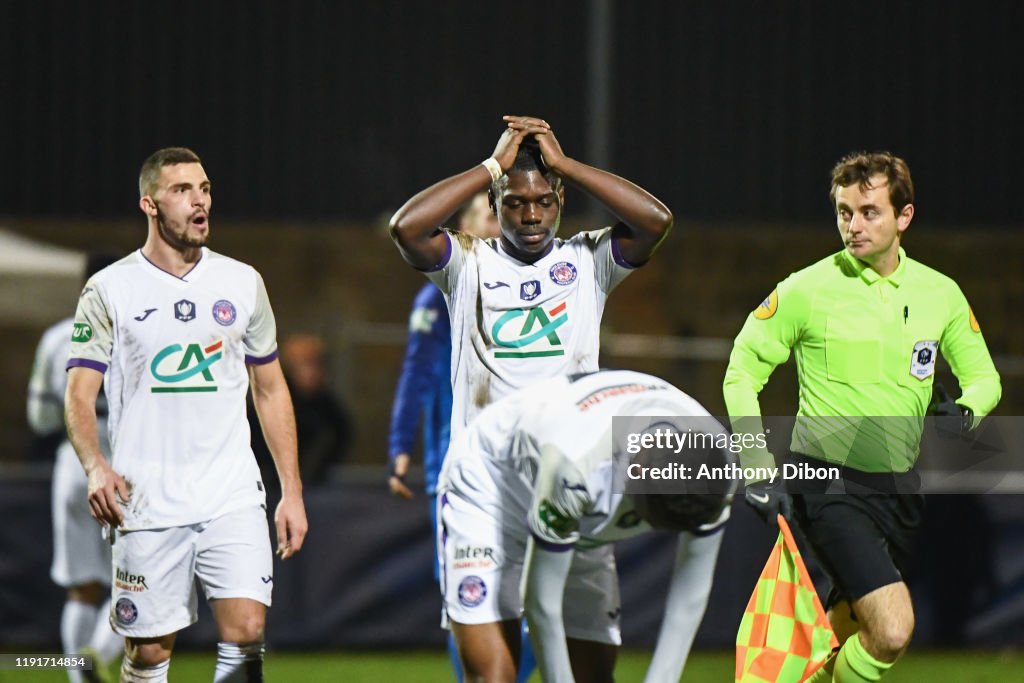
x=951, y=418
x=768, y=501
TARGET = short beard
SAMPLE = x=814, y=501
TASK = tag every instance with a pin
x=179, y=242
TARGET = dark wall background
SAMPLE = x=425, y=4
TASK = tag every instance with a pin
x=728, y=110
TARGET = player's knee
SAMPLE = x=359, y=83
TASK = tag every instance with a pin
x=887, y=642
x=146, y=654
x=245, y=629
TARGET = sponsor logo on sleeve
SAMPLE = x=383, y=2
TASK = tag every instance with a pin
x=768, y=306
x=82, y=332
x=555, y=520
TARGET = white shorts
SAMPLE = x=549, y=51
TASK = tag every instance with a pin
x=482, y=556
x=156, y=571
x=80, y=553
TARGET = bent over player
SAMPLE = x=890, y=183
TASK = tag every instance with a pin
x=539, y=477
x=867, y=324
x=182, y=333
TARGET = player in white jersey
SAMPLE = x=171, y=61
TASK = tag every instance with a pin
x=81, y=556
x=542, y=474
x=527, y=305
x=181, y=333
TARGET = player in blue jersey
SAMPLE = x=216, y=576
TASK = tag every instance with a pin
x=424, y=395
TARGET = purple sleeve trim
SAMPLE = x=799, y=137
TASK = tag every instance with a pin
x=619, y=258
x=446, y=258
x=551, y=547
x=86, y=363
x=257, y=360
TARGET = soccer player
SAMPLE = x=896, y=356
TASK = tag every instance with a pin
x=81, y=556
x=867, y=324
x=181, y=333
x=425, y=391
x=527, y=305
x=540, y=476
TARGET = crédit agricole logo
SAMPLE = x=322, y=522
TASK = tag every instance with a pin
x=186, y=368
x=533, y=337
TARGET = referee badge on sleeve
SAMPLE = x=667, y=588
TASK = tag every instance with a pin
x=922, y=360
x=768, y=306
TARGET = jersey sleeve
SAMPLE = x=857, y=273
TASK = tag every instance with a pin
x=609, y=265
x=446, y=273
x=427, y=334
x=765, y=342
x=560, y=499
x=963, y=346
x=92, y=337
x=260, y=339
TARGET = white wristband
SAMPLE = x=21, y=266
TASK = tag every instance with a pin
x=493, y=167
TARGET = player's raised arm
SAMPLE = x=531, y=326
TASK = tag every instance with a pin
x=645, y=221
x=273, y=405
x=415, y=226
x=105, y=485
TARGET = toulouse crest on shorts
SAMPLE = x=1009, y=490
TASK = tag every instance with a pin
x=472, y=591
x=125, y=611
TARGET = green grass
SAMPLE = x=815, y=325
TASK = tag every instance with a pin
x=428, y=667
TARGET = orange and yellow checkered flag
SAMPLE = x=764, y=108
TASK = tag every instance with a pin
x=784, y=636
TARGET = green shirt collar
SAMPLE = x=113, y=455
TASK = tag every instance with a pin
x=868, y=274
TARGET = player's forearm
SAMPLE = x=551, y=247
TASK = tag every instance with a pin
x=83, y=433
x=687, y=599
x=647, y=220
x=414, y=225
x=277, y=420
x=545, y=575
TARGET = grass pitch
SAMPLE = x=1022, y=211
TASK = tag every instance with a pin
x=431, y=667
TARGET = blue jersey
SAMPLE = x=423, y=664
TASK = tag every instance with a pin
x=424, y=388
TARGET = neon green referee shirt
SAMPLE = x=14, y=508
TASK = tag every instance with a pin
x=866, y=348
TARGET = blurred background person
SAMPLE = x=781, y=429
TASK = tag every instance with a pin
x=322, y=422
x=81, y=555
x=424, y=392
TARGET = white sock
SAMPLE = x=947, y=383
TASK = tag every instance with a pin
x=239, y=663
x=107, y=644
x=136, y=673
x=76, y=623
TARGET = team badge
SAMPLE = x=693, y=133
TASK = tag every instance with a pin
x=563, y=273
x=472, y=591
x=768, y=306
x=922, y=361
x=529, y=290
x=126, y=612
x=224, y=312
x=184, y=310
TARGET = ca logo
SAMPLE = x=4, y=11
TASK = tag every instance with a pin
x=188, y=368
x=536, y=327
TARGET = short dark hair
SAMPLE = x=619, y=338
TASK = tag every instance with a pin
x=529, y=158
x=860, y=167
x=168, y=156
x=681, y=505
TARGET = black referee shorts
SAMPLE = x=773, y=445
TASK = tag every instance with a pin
x=863, y=541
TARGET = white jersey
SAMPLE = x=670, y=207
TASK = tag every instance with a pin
x=175, y=352
x=549, y=451
x=515, y=323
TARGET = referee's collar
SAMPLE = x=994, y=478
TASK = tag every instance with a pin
x=871, y=276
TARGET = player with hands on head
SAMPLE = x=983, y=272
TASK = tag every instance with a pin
x=534, y=485
x=181, y=334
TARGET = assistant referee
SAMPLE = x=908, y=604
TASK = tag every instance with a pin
x=866, y=324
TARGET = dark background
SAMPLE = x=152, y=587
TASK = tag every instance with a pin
x=727, y=110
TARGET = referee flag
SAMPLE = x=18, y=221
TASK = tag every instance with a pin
x=784, y=635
